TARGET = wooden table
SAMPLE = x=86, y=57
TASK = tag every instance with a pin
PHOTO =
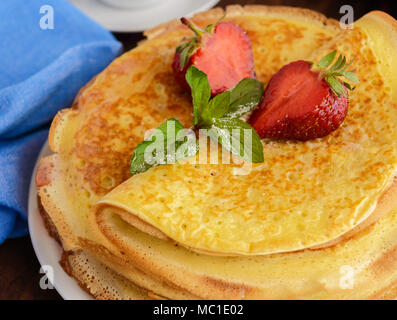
x=19, y=268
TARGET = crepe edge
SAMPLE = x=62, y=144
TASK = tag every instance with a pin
x=74, y=263
x=386, y=202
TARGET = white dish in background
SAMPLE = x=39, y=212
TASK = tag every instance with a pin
x=47, y=250
x=132, y=4
x=139, y=19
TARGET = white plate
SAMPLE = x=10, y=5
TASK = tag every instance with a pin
x=140, y=19
x=47, y=250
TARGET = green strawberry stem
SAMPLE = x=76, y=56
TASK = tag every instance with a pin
x=199, y=32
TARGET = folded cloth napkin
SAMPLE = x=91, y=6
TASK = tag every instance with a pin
x=48, y=51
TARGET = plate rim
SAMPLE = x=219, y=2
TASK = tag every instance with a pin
x=47, y=249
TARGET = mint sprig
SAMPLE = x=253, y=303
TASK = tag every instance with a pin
x=221, y=114
x=218, y=115
x=234, y=103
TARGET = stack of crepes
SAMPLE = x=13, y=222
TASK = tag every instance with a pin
x=316, y=220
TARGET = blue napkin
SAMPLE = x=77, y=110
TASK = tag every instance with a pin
x=48, y=51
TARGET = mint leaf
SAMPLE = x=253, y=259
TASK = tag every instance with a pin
x=201, y=91
x=216, y=108
x=138, y=163
x=234, y=103
x=167, y=144
x=244, y=97
x=220, y=114
x=238, y=137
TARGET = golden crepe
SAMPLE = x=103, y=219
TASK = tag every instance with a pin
x=305, y=194
x=93, y=142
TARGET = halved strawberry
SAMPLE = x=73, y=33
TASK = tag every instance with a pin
x=304, y=101
x=222, y=51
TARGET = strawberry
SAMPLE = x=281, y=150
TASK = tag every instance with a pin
x=304, y=101
x=222, y=51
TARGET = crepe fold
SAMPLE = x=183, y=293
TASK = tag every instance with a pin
x=315, y=220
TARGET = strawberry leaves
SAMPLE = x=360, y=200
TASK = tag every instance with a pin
x=186, y=50
x=331, y=73
x=325, y=62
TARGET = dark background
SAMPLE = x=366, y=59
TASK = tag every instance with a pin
x=19, y=268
